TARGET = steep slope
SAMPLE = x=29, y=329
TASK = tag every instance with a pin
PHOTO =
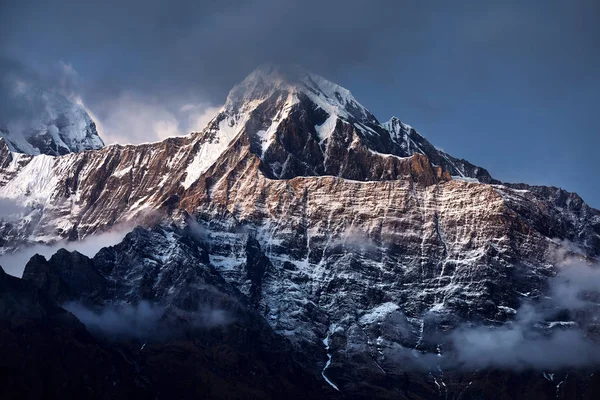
x=49, y=124
x=266, y=119
x=300, y=124
x=371, y=352
x=199, y=337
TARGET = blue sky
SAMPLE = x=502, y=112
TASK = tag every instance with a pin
x=513, y=86
x=522, y=104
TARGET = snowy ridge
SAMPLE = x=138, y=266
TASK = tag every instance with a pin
x=37, y=184
x=267, y=80
x=397, y=129
x=266, y=114
x=219, y=135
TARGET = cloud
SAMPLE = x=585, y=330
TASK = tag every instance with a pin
x=553, y=333
x=151, y=44
x=197, y=116
x=145, y=320
x=198, y=231
x=30, y=100
x=10, y=209
x=14, y=263
x=126, y=320
x=125, y=117
x=521, y=345
x=355, y=239
x=131, y=118
x=155, y=71
x=148, y=46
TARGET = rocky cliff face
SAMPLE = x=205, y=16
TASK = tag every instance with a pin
x=189, y=332
x=173, y=291
x=358, y=242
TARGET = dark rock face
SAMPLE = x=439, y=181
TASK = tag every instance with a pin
x=372, y=286
x=545, y=209
x=75, y=278
x=47, y=353
x=257, y=265
x=206, y=340
x=243, y=349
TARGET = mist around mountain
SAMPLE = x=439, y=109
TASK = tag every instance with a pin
x=36, y=120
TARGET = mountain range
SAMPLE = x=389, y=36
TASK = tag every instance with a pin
x=297, y=246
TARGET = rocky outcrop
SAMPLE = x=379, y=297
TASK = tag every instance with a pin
x=76, y=278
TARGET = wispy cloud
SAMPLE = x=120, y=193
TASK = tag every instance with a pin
x=145, y=320
x=10, y=209
x=131, y=118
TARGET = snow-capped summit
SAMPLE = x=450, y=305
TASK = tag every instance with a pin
x=48, y=123
x=300, y=124
x=288, y=116
x=268, y=79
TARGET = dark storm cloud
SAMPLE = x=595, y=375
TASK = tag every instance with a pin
x=190, y=48
x=210, y=44
x=153, y=69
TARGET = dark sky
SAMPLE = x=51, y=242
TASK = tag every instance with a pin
x=513, y=86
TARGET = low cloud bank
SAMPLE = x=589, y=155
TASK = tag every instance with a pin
x=521, y=346
x=552, y=333
x=145, y=320
x=14, y=263
x=118, y=320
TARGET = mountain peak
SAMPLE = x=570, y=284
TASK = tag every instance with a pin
x=300, y=124
x=46, y=122
x=267, y=79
